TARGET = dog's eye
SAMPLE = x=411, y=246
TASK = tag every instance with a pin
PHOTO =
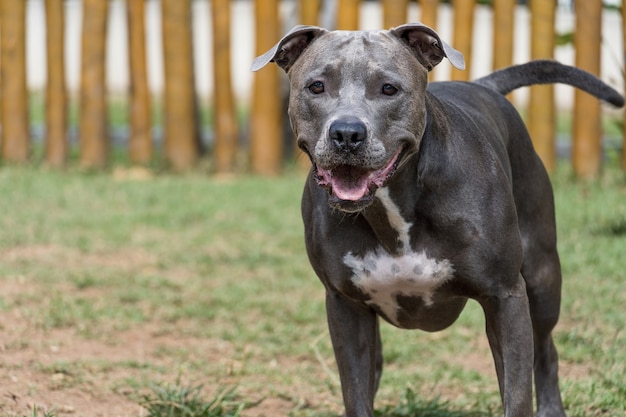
x=389, y=90
x=317, y=87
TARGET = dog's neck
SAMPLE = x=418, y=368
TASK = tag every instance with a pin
x=389, y=215
x=392, y=213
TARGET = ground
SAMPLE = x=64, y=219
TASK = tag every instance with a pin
x=109, y=287
x=62, y=370
x=102, y=372
x=80, y=372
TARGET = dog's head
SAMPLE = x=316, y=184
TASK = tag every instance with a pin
x=357, y=101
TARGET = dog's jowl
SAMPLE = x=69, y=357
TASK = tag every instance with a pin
x=422, y=196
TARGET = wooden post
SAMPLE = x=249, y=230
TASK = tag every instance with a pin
x=503, y=29
x=140, y=146
x=587, y=134
x=57, y=146
x=428, y=13
x=541, y=113
x=93, y=130
x=180, y=123
x=226, y=136
x=394, y=13
x=14, y=118
x=266, y=139
x=309, y=11
x=463, y=36
x=348, y=14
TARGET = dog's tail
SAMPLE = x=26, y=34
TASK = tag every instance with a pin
x=548, y=72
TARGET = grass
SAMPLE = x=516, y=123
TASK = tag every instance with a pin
x=182, y=401
x=50, y=413
x=216, y=268
x=412, y=405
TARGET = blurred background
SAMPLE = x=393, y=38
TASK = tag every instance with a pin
x=166, y=83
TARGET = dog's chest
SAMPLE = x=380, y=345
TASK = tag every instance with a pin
x=386, y=277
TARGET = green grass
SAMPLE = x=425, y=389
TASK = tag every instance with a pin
x=222, y=261
x=182, y=401
x=412, y=405
x=50, y=413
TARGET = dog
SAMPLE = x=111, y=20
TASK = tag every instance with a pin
x=422, y=196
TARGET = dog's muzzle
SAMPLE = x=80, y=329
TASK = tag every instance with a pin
x=351, y=188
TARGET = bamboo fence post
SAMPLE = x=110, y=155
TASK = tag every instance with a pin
x=266, y=139
x=224, y=108
x=57, y=146
x=624, y=73
x=394, y=13
x=503, y=29
x=309, y=12
x=587, y=133
x=180, y=122
x=140, y=146
x=14, y=118
x=348, y=14
x=541, y=112
x=93, y=132
x=428, y=12
x=463, y=36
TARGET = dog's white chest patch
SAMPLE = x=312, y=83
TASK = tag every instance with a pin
x=384, y=276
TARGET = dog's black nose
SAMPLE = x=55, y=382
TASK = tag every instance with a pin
x=347, y=135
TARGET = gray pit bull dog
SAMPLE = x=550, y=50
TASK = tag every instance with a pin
x=424, y=196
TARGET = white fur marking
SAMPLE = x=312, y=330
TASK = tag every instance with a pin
x=383, y=276
x=395, y=218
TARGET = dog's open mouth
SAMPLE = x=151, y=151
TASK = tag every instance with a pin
x=351, y=187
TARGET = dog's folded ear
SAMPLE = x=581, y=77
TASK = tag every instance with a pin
x=426, y=45
x=289, y=48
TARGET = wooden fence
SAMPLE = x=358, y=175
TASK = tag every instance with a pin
x=182, y=146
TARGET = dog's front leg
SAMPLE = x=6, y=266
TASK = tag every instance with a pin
x=356, y=342
x=509, y=331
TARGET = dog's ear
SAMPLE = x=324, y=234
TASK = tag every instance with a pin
x=289, y=48
x=427, y=46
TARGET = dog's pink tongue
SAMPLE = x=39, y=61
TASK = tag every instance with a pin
x=349, y=189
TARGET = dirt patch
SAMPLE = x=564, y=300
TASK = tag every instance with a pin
x=60, y=255
x=58, y=369
x=103, y=375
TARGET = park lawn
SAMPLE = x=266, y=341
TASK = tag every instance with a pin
x=112, y=284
